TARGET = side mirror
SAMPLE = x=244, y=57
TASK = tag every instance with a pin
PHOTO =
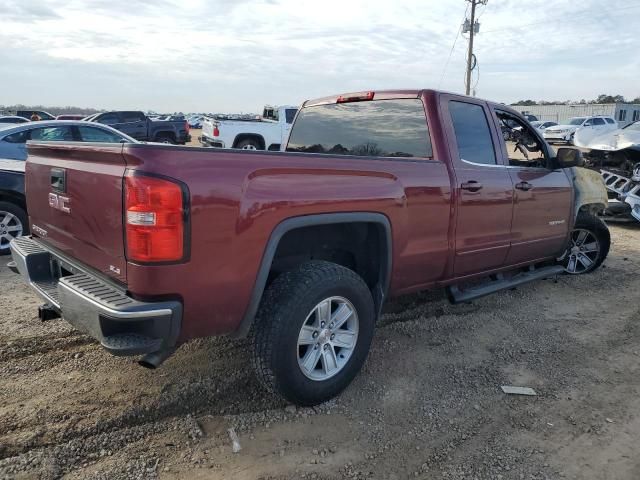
x=569, y=157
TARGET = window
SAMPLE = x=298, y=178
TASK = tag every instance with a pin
x=611, y=120
x=597, y=121
x=109, y=119
x=622, y=115
x=382, y=128
x=18, y=137
x=130, y=117
x=52, y=134
x=290, y=113
x=522, y=145
x=636, y=115
x=472, y=133
x=93, y=134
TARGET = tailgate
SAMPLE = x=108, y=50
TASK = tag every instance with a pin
x=74, y=198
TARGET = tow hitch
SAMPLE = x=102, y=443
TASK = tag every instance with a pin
x=48, y=312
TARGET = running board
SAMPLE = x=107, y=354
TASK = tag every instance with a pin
x=456, y=295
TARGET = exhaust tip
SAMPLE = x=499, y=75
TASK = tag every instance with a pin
x=154, y=359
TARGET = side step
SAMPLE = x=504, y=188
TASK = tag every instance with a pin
x=456, y=295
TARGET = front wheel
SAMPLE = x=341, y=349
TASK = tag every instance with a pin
x=313, y=332
x=588, y=246
x=13, y=223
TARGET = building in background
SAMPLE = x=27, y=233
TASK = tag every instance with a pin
x=624, y=113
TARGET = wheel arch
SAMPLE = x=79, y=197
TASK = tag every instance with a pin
x=377, y=220
x=13, y=197
x=249, y=136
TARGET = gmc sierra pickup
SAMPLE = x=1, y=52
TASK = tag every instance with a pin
x=378, y=194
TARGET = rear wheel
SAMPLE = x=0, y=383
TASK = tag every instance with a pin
x=249, y=144
x=313, y=332
x=166, y=138
x=13, y=223
x=588, y=246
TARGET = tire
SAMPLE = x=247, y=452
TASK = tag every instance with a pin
x=293, y=301
x=589, y=245
x=249, y=144
x=166, y=139
x=13, y=223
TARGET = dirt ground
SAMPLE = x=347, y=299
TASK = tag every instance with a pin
x=427, y=405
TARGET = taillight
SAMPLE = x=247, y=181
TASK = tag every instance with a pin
x=155, y=219
x=186, y=126
x=216, y=131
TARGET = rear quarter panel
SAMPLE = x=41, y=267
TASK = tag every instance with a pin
x=238, y=198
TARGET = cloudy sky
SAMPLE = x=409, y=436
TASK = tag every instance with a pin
x=236, y=55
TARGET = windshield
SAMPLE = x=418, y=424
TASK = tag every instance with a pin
x=634, y=126
x=575, y=121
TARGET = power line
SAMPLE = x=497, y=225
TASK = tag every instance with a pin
x=444, y=70
x=547, y=22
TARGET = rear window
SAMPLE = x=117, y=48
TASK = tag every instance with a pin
x=382, y=128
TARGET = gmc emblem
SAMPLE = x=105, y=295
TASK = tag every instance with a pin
x=59, y=202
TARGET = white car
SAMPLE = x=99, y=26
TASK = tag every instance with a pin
x=542, y=125
x=566, y=131
x=267, y=132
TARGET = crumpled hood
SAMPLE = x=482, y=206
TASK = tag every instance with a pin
x=555, y=128
x=609, y=141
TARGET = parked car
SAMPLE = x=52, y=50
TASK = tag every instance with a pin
x=542, y=125
x=13, y=207
x=13, y=119
x=565, y=132
x=13, y=138
x=268, y=132
x=41, y=113
x=530, y=117
x=146, y=246
x=196, y=121
x=70, y=117
x=139, y=126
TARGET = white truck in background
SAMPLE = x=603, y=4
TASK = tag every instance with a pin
x=266, y=132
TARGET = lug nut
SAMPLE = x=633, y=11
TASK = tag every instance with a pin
x=322, y=324
x=333, y=335
x=315, y=334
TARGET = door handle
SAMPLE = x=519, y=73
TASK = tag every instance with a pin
x=524, y=186
x=471, y=186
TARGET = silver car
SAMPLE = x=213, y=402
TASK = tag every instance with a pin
x=13, y=137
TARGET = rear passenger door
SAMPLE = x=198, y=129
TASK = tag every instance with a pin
x=483, y=189
x=543, y=197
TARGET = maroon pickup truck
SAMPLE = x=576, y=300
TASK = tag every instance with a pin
x=378, y=194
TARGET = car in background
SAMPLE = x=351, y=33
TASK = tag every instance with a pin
x=13, y=207
x=70, y=117
x=542, y=125
x=141, y=127
x=530, y=117
x=13, y=119
x=13, y=138
x=565, y=132
x=41, y=113
x=196, y=121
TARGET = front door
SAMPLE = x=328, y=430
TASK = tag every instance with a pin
x=543, y=196
x=483, y=191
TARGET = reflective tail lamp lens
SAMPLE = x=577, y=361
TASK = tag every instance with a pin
x=155, y=219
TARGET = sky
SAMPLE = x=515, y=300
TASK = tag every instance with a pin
x=237, y=55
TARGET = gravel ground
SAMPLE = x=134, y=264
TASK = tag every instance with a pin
x=427, y=405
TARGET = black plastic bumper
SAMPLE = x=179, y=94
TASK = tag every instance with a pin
x=123, y=325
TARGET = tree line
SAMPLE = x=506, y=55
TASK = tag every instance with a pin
x=55, y=111
x=601, y=99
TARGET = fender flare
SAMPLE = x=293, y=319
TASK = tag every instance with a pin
x=381, y=289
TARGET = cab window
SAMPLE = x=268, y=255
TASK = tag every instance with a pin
x=523, y=147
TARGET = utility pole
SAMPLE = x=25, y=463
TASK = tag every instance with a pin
x=473, y=28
